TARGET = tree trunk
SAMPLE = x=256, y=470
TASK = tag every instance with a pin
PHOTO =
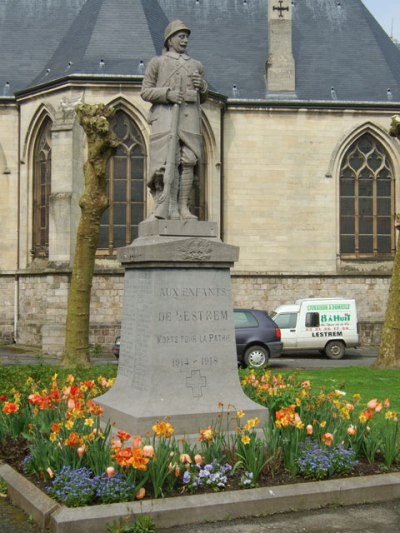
x=101, y=145
x=389, y=350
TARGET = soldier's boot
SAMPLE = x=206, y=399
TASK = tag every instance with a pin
x=185, y=192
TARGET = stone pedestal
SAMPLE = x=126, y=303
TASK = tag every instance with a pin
x=178, y=350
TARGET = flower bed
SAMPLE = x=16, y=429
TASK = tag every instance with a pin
x=52, y=433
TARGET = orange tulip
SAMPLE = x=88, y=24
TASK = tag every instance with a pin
x=386, y=403
x=351, y=431
x=140, y=493
x=327, y=439
x=123, y=436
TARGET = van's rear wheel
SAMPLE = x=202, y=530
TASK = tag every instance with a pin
x=335, y=350
x=256, y=357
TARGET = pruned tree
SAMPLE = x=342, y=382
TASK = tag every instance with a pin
x=101, y=143
x=389, y=350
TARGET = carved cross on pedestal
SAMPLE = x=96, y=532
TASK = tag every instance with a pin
x=196, y=382
x=280, y=8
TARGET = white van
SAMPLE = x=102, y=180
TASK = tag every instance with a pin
x=325, y=324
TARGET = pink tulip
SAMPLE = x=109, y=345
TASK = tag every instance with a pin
x=148, y=451
x=372, y=403
x=80, y=451
x=115, y=443
x=137, y=442
x=185, y=458
x=198, y=459
x=71, y=404
x=110, y=471
x=50, y=472
x=309, y=429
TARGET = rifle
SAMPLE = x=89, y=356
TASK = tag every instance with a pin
x=162, y=209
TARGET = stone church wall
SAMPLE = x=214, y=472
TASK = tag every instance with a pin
x=43, y=303
x=7, y=308
x=281, y=185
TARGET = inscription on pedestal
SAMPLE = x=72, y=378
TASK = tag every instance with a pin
x=179, y=322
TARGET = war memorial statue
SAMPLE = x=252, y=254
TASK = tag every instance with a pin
x=178, y=350
x=174, y=84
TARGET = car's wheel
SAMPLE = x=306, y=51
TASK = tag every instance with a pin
x=256, y=357
x=335, y=350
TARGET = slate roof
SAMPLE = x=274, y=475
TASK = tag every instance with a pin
x=335, y=44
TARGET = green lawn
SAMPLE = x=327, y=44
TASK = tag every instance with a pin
x=369, y=382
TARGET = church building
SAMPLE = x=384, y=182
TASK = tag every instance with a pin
x=299, y=170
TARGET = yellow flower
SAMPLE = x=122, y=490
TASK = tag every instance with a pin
x=89, y=422
x=240, y=414
x=245, y=439
x=251, y=423
x=322, y=424
x=69, y=424
x=53, y=437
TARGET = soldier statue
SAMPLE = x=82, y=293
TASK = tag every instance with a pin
x=174, y=84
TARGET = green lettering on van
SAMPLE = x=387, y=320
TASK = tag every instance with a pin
x=328, y=307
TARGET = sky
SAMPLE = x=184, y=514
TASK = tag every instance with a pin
x=387, y=13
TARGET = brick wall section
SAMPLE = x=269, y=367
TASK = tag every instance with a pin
x=43, y=308
x=43, y=303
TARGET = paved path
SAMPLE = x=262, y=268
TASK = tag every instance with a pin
x=12, y=520
x=16, y=354
x=370, y=518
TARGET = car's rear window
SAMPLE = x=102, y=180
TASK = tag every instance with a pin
x=245, y=319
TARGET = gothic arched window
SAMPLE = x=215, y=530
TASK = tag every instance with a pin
x=41, y=190
x=367, y=201
x=126, y=186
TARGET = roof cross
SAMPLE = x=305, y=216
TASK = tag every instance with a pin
x=280, y=8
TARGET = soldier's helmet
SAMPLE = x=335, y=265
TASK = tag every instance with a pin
x=174, y=27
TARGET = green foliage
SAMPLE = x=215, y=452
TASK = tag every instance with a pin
x=143, y=524
x=3, y=487
x=17, y=376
